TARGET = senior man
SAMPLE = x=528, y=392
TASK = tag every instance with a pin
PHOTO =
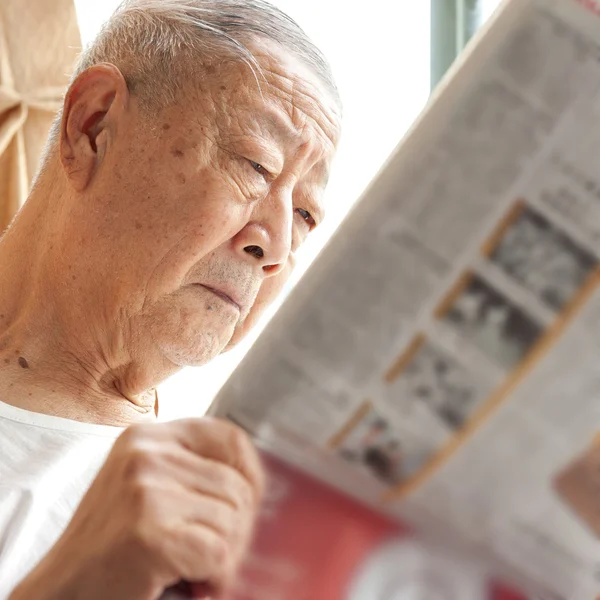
x=186, y=168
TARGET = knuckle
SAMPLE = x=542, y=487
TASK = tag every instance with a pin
x=199, y=425
x=135, y=434
x=217, y=549
x=138, y=463
x=234, y=487
x=208, y=553
x=139, y=492
x=226, y=478
x=144, y=537
x=246, y=499
x=239, y=441
x=260, y=484
x=144, y=502
x=151, y=543
x=225, y=518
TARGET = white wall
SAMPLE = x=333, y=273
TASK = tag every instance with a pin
x=379, y=52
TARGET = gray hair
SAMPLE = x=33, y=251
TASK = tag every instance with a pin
x=160, y=44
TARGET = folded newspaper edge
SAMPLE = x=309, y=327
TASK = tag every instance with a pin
x=439, y=359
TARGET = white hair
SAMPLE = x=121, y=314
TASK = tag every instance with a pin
x=161, y=46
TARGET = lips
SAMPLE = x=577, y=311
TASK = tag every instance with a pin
x=222, y=294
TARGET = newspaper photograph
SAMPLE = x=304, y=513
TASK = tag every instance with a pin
x=440, y=358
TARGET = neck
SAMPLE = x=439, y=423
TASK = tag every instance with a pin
x=50, y=359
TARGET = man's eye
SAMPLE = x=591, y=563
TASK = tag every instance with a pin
x=306, y=216
x=259, y=168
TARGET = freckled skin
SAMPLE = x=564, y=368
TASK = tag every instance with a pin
x=139, y=211
x=207, y=202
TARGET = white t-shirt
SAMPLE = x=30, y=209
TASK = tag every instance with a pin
x=46, y=465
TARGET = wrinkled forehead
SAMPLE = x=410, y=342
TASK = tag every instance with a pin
x=297, y=86
x=284, y=93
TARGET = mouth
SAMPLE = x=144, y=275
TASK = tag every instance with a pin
x=222, y=295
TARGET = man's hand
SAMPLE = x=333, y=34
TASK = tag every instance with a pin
x=174, y=501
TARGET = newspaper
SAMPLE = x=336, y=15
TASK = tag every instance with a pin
x=316, y=544
x=440, y=359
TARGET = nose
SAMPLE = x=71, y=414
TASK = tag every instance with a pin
x=266, y=240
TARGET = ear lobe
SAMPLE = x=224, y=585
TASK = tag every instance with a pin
x=94, y=103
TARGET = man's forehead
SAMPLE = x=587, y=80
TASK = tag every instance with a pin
x=293, y=126
x=300, y=94
x=285, y=93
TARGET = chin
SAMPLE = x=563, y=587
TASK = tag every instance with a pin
x=241, y=331
x=198, y=351
x=186, y=334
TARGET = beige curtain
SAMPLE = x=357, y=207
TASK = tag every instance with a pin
x=39, y=41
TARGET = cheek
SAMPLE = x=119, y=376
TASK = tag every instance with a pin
x=183, y=225
x=178, y=185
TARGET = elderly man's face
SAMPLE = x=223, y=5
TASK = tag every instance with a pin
x=200, y=212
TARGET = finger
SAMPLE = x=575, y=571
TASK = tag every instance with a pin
x=215, y=514
x=233, y=527
x=208, y=477
x=223, y=442
x=202, y=555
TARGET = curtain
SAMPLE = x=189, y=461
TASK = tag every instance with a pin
x=39, y=41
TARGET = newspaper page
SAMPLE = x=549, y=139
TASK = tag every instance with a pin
x=440, y=359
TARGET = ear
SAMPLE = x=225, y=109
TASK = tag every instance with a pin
x=93, y=105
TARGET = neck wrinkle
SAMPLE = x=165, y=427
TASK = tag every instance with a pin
x=41, y=367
